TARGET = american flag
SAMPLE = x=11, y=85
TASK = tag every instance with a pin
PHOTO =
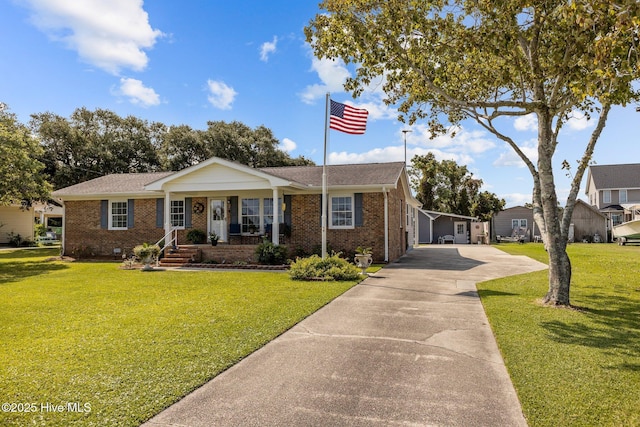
x=347, y=119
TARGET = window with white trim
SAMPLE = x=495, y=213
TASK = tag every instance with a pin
x=177, y=213
x=622, y=196
x=341, y=211
x=267, y=211
x=606, y=196
x=118, y=215
x=518, y=223
x=616, y=219
x=250, y=215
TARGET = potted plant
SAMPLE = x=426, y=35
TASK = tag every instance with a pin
x=196, y=236
x=146, y=253
x=213, y=238
x=363, y=258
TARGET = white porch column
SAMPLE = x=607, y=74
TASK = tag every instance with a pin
x=167, y=212
x=275, y=225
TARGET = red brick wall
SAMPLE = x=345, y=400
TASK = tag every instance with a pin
x=306, y=231
x=83, y=233
x=229, y=254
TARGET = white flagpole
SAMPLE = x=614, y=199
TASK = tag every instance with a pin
x=324, y=179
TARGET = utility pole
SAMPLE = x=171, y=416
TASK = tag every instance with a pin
x=404, y=134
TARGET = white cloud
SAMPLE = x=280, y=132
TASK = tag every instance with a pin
x=462, y=148
x=288, y=145
x=394, y=153
x=268, y=48
x=378, y=110
x=110, y=35
x=137, y=93
x=526, y=123
x=332, y=74
x=464, y=141
x=510, y=158
x=220, y=95
x=516, y=199
x=578, y=121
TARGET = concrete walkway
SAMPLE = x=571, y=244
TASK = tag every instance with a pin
x=410, y=345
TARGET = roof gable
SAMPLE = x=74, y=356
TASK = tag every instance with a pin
x=605, y=177
x=218, y=174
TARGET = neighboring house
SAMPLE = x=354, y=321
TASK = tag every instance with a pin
x=435, y=226
x=515, y=221
x=614, y=190
x=587, y=223
x=49, y=214
x=16, y=219
x=369, y=205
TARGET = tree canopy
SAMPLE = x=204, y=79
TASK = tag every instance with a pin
x=21, y=177
x=90, y=144
x=445, y=186
x=446, y=61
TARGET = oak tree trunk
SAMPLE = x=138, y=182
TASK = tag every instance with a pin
x=555, y=237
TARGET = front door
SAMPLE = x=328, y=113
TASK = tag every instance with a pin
x=218, y=218
x=460, y=228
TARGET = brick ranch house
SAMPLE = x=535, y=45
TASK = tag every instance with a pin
x=368, y=205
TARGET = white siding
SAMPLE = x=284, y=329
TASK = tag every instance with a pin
x=16, y=220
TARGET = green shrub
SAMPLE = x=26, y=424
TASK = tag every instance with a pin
x=271, y=254
x=15, y=240
x=40, y=230
x=146, y=250
x=330, y=268
x=196, y=236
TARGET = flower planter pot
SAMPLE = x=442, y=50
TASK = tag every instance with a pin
x=363, y=261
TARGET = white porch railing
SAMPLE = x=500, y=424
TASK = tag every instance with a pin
x=170, y=240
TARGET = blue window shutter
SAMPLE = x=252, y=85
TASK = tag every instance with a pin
x=357, y=209
x=130, y=213
x=160, y=213
x=104, y=214
x=187, y=213
x=287, y=212
x=234, y=209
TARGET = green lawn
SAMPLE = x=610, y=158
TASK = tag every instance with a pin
x=573, y=367
x=126, y=344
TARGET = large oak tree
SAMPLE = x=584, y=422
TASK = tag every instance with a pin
x=485, y=60
x=21, y=177
x=90, y=144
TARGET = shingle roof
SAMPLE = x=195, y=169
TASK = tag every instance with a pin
x=359, y=174
x=616, y=176
x=112, y=184
x=377, y=174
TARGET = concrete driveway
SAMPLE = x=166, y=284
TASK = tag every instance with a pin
x=410, y=345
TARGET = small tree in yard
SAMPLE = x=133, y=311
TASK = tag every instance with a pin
x=448, y=61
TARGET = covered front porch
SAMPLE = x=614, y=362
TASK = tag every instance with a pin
x=231, y=203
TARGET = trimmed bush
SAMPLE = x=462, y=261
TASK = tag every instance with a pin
x=271, y=254
x=197, y=237
x=330, y=268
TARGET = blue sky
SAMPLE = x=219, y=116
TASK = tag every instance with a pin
x=195, y=61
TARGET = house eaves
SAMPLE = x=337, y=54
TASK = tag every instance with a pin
x=436, y=214
x=178, y=181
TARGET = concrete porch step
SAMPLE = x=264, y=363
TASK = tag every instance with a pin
x=179, y=257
